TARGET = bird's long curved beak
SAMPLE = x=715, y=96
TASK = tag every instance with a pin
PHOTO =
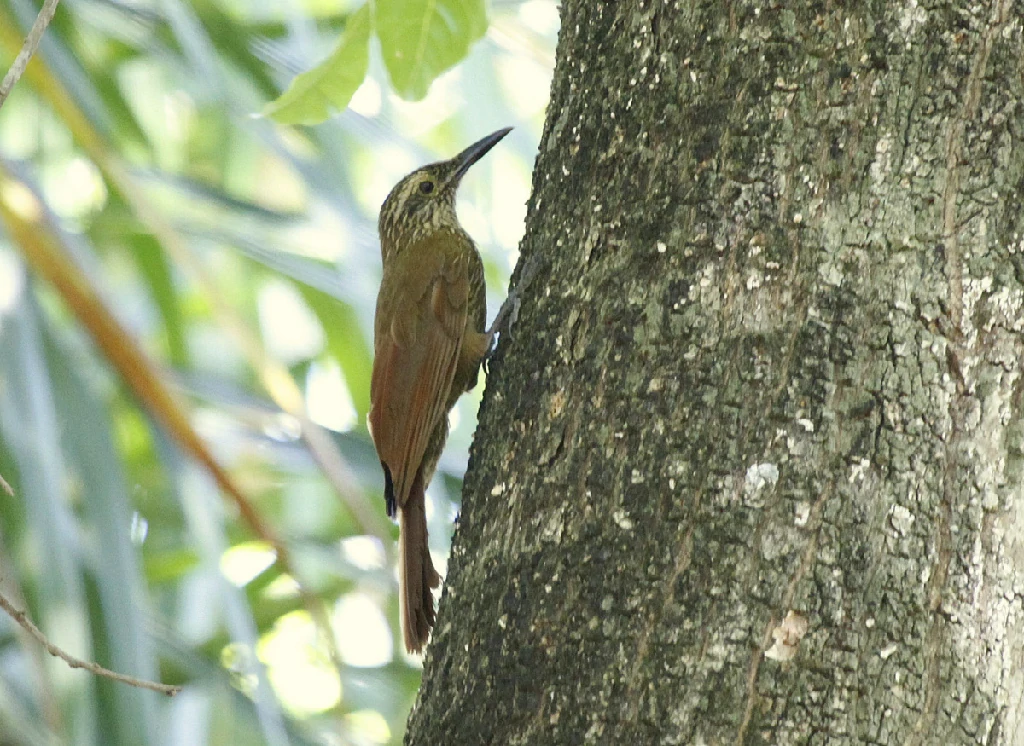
x=473, y=153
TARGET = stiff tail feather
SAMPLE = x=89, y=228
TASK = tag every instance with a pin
x=416, y=570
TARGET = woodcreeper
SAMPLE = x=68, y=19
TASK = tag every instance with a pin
x=429, y=341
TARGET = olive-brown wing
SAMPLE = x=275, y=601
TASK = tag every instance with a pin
x=418, y=331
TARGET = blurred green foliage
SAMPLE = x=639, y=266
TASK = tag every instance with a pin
x=419, y=40
x=330, y=85
x=234, y=260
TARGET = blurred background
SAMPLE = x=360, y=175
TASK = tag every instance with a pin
x=185, y=280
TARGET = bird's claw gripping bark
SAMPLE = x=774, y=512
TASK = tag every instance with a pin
x=509, y=311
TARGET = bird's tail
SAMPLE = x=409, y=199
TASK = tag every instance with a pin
x=416, y=570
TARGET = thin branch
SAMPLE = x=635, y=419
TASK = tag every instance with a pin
x=6, y=487
x=94, y=668
x=35, y=34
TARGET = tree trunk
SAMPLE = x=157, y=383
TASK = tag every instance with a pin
x=749, y=462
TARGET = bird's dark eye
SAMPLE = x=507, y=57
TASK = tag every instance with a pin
x=426, y=186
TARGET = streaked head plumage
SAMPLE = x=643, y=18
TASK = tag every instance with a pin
x=423, y=202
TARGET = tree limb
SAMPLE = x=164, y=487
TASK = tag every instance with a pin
x=35, y=35
x=94, y=668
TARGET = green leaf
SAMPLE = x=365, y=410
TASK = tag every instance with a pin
x=159, y=276
x=170, y=565
x=116, y=594
x=346, y=344
x=420, y=39
x=330, y=85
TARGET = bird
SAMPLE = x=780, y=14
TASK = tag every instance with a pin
x=429, y=342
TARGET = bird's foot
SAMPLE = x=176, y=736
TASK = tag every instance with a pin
x=509, y=311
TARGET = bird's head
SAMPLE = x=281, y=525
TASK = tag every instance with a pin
x=424, y=201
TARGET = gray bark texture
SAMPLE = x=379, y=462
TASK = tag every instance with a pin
x=749, y=465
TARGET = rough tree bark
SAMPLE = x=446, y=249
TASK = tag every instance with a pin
x=771, y=368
